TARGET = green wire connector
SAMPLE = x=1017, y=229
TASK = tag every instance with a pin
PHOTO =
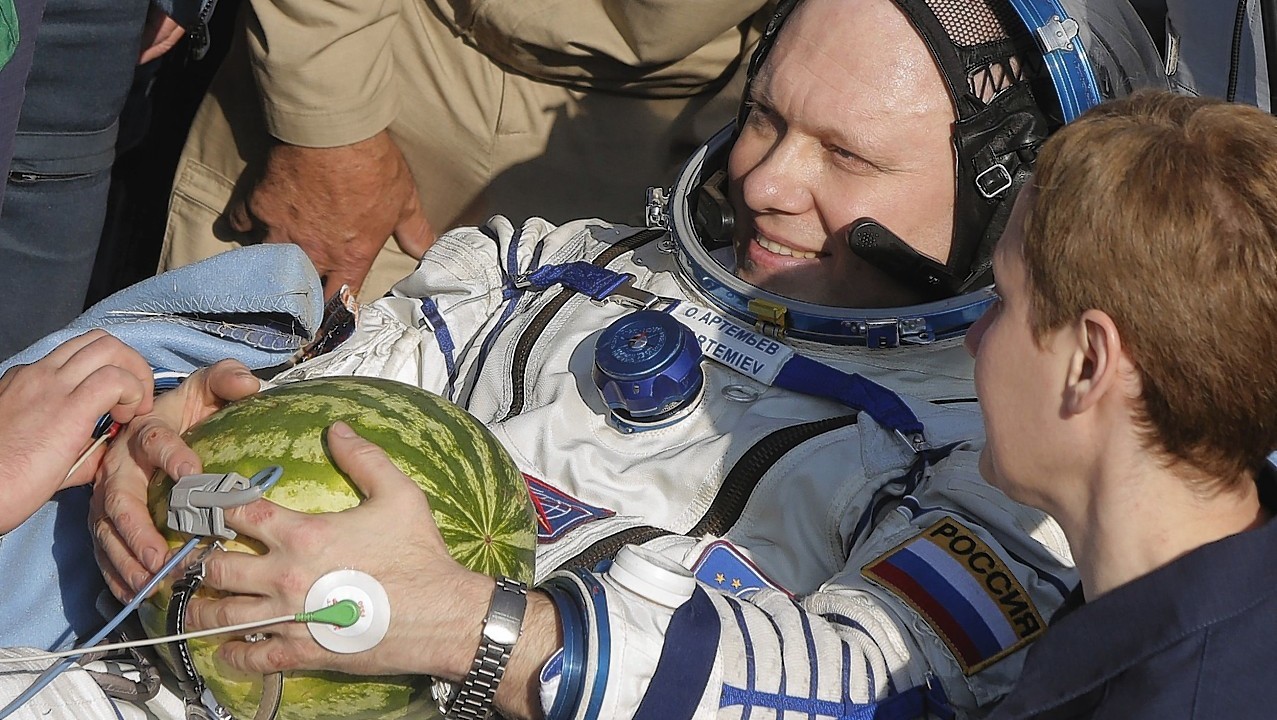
x=343, y=614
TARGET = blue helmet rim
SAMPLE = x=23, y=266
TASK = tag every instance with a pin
x=1064, y=55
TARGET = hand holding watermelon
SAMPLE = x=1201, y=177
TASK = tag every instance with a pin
x=438, y=605
x=129, y=548
x=432, y=511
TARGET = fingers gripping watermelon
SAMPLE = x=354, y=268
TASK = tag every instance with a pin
x=477, y=497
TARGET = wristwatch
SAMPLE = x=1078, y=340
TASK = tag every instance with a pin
x=472, y=700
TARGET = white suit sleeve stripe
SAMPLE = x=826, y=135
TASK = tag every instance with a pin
x=813, y=663
x=751, y=669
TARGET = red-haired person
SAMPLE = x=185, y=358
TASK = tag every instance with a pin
x=1129, y=388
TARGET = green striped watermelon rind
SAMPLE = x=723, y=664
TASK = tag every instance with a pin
x=478, y=498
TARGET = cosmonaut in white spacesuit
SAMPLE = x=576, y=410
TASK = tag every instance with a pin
x=798, y=539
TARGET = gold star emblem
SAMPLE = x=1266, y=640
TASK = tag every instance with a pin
x=736, y=583
x=720, y=578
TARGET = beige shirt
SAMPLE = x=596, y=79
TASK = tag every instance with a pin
x=326, y=69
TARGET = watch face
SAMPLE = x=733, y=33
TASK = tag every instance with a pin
x=472, y=699
x=505, y=616
x=499, y=631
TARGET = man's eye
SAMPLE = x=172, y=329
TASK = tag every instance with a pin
x=849, y=159
x=756, y=111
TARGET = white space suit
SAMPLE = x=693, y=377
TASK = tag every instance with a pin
x=789, y=612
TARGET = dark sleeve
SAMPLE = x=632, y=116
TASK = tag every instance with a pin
x=19, y=22
x=185, y=12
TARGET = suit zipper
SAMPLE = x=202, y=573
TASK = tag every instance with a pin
x=523, y=348
x=733, y=495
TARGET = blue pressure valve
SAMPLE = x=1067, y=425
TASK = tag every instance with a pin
x=647, y=369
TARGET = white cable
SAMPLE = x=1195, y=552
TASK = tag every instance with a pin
x=152, y=641
x=87, y=452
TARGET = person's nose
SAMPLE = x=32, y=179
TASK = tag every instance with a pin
x=975, y=333
x=782, y=179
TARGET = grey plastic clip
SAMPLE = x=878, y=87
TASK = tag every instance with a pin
x=197, y=502
x=1058, y=34
x=656, y=213
x=627, y=294
x=916, y=441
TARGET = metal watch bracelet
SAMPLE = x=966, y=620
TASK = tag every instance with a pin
x=501, y=629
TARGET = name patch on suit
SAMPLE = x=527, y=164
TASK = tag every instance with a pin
x=557, y=512
x=727, y=342
x=964, y=591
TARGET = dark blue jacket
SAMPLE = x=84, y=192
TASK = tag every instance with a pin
x=1194, y=639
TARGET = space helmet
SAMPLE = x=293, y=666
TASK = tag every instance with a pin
x=1016, y=70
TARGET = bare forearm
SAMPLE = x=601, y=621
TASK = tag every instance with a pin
x=20, y=495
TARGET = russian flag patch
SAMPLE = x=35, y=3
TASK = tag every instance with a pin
x=963, y=590
x=557, y=512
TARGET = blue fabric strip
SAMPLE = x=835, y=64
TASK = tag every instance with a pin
x=889, y=493
x=581, y=276
x=800, y=374
x=751, y=672
x=846, y=672
x=510, y=294
x=603, y=632
x=909, y=705
x=807, y=376
x=783, y=686
x=443, y=336
x=813, y=662
x=845, y=621
x=691, y=644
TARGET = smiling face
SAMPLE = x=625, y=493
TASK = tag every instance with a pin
x=849, y=118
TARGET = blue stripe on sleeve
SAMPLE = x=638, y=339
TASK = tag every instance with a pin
x=603, y=640
x=572, y=620
x=691, y=645
x=751, y=673
x=845, y=621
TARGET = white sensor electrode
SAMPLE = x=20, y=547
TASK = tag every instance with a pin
x=374, y=611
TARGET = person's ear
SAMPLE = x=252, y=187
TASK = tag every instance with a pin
x=1093, y=361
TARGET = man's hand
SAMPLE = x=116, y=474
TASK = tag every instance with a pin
x=339, y=204
x=47, y=413
x=160, y=34
x=128, y=546
x=437, y=606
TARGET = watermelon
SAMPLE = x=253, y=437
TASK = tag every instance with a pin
x=477, y=495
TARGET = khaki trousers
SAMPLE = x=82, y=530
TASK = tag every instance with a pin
x=479, y=140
